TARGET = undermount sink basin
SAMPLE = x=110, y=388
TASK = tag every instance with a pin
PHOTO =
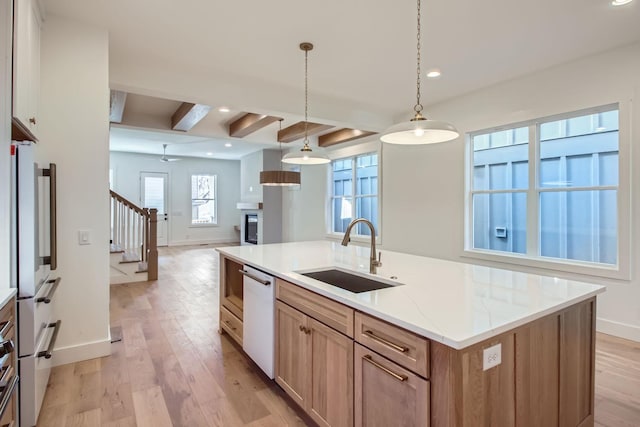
x=348, y=281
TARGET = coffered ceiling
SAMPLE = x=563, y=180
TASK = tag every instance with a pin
x=245, y=55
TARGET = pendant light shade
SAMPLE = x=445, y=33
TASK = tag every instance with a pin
x=416, y=132
x=280, y=178
x=419, y=130
x=306, y=156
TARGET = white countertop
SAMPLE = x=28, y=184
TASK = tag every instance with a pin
x=453, y=303
x=5, y=295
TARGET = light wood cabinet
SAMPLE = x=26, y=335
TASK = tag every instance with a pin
x=387, y=394
x=8, y=370
x=314, y=366
x=401, y=346
x=291, y=353
x=26, y=63
x=231, y=298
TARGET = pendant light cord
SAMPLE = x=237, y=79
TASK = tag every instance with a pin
x=306, y=96
x=418, y=106
x=280, y=142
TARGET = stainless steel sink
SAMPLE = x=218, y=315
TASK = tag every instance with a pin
x=348, y=281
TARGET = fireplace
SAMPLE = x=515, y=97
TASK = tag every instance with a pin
x=251, y=228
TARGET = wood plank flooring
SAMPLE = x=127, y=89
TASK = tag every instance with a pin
x=172, y=368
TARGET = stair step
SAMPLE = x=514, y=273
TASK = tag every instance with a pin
x=131, y=261
x=115, y=249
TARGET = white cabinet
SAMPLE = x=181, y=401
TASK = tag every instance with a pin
x=26, y=63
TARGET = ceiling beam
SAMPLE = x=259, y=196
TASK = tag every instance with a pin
x=118, y=99
x=250, y=123
x=188, y=115
x=342, y=135
x=296, y=131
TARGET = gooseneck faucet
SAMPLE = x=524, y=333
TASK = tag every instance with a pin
x=373, y=262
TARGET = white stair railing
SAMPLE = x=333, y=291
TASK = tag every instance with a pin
x=133, y=231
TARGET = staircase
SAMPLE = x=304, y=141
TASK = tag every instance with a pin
x=133, y=246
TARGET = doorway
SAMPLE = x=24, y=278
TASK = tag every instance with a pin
x=154, y=195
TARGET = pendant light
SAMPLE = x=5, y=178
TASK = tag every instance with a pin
x=280, y=178
x=419, y=130
x=306, y=156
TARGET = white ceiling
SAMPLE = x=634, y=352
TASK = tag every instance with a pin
x=365, y=51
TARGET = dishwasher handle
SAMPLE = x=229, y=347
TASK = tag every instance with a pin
x=256, y=278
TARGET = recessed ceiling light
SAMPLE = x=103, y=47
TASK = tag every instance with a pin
x=224, y=109
x=228, y=144
x=209, y=154
x=433, y=74
x=620, y=2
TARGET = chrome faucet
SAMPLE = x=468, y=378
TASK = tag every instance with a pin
x=373, y=262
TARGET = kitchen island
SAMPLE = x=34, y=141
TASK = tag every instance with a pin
x=452, y=344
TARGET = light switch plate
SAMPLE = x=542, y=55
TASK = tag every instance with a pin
x=491, y=357
x=84, y=237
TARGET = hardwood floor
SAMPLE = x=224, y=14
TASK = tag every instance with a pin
x=172, y=368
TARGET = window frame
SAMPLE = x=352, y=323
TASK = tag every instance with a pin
x=215, y=201
x=367, y=148
x=620, y=270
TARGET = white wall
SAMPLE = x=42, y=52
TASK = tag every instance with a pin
x=423, y=208
x=5, y=141
x=74, y=134
x=126, y=172
x=303, y=212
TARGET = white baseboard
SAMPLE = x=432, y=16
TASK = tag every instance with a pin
x=77, y=353
x=204, y=241
x=618, y=329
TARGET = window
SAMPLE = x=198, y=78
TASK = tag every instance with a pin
x=354, y=193
x=203, y=200
x=570, y=211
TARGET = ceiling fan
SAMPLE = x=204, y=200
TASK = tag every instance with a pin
x=164, y=157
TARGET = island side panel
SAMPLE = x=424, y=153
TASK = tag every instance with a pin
x=537, y=373
x=546, y=376
x=577, y=365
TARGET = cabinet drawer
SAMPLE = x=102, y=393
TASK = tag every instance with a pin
x=7, y=312
x=231, y=324
x=403, y=347
x=331, y=313
x=386, y=394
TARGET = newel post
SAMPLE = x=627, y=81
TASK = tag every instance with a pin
x=152, y=259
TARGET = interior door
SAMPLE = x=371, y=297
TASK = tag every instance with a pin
x=154, y=194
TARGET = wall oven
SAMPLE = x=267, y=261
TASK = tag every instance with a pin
x=35, y=259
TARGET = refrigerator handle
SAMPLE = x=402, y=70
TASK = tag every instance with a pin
x=48, y=352
x=53, y=229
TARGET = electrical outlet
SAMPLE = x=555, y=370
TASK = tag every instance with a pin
x=491, y=357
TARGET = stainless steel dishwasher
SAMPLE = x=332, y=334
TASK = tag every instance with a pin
x=258, y=321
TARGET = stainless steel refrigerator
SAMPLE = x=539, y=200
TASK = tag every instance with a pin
x=33, y=274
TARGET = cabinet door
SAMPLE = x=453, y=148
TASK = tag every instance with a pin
x=387, y=394
x=331, y=365
x=26, y=71
x=291, y=352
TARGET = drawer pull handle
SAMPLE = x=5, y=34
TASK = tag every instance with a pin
x=5, y=376
x=48, y=353
x=47, y=299
x=7, y=392
x=229, y=324
x=386, y=370
x=396, y=347
x=4, y=327
x=256, y=278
